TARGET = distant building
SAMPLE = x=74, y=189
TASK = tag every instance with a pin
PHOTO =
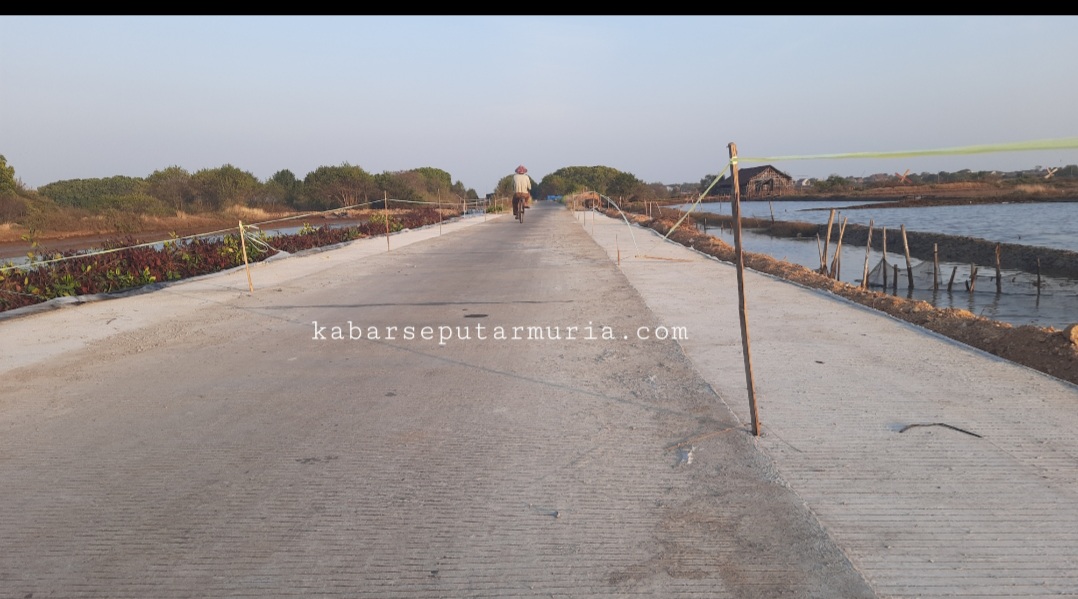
x=757, y=182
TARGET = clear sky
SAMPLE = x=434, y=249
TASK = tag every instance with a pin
x=657, y=96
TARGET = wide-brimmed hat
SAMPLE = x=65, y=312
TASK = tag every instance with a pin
x=521, y=170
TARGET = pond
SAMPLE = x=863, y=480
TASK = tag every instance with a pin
x=1050, y=224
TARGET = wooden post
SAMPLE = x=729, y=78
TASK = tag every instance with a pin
x=836, y=262
x=826, y=242
x=868, y=249
x=935, y=267
x=1038, y=276
x=954, y=271
x=772, y=208
x=385, y=208
x=999, y=275
x=742, y=310
x=246, y=266
x=906, y=250
x=972, y=277
x=884, y=269
x=894, y=282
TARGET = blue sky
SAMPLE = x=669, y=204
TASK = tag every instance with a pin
x=656, y=96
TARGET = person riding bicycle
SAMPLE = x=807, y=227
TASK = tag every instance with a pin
x=522, y=186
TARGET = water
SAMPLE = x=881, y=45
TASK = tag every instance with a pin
x=1045, y=225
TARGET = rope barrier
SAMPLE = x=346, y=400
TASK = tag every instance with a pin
x=38, y=263
x=1066, y=143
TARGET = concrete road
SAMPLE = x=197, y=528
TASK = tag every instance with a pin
x=940, y=470
x=203, y=441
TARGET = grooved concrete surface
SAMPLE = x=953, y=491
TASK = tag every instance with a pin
x=198, y=440
x=928, y=512
x=202, y=441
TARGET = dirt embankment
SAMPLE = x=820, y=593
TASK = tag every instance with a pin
x=1044, y=349
x=16, y=241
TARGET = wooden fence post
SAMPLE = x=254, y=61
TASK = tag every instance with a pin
x=742, y=310
x=826, y=241
x=246, y=265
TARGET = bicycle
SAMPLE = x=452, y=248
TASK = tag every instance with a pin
x=520, y=204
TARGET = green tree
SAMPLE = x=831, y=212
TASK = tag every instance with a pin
x=284, y=188
x=8, y=182
x=603, y=179
x=218, y=188
x=401, y=185
x=437, y=184
x=172, y=186
x=337, y=186
x=92, y=194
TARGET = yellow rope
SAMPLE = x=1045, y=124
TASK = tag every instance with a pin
x=1067, y=143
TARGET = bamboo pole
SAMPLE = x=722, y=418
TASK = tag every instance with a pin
x=999, y=275
x=894, y=281
x=826, y=242
x=935, y=267
x=868, y=250
x=954, y=271
x=836, y=262
x=246, y=265
x=972, y=277
x=385, y=208
x=884, y=269
x=742, y=310
x=772, y=208
x=906, y=250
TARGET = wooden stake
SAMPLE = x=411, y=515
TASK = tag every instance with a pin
x=954, y=271
x=972, y=277
x=868, y=249
x=1038, y=277
x=906, y=250
x=772, y=208
x=385, y=207
x=935, y=267
x=836, y=262
x=246, y=266
x=999, y=276
x=826, y=242
x=894, y=282
x=742, y=310
x=884, y=269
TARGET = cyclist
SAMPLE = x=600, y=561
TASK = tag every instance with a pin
x=522, y=186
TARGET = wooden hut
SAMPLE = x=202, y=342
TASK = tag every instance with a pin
x=757, y=182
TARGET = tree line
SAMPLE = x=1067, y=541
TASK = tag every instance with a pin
x=174, y=189
x=168, y=191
